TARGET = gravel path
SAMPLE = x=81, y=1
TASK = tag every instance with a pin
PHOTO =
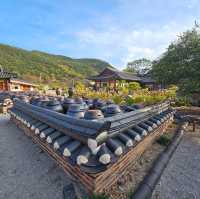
x=181, y=178
x=25, y=171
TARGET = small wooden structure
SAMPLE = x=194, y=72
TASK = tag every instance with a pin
x=9, y=82
x=110, y=77
x=190, y=114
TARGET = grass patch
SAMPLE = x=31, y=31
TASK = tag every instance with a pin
x=164, y=140
x=99, y=196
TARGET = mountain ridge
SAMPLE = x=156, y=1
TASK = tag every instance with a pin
x=45, y=68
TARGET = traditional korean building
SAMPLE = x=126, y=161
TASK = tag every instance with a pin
x=9, y=82
x=110, y=77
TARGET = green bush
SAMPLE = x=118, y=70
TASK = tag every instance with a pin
x=133, y=86
x=164, y=140
x=181, y=101
x=129, y=100
x=99, y=196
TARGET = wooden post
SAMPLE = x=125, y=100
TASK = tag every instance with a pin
x=194, y=126
x=5, y=85
x=8, y=85
x=114, y=84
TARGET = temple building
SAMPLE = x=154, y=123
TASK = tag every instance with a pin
x=111, y=77
x=9, y=82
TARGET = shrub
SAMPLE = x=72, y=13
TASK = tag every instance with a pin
x=129, y=100
x=143, y=96
x=99, y=196
x=133, y=86
x=163, y=140
x=181, y=101
x=118, y=99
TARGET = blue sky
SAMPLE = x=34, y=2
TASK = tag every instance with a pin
x=117, y=31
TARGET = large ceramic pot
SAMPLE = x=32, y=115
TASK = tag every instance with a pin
x=138, y=106
x=43, y=103
x=82, y=103
x=40, y=102
x=66, y=103
x=111, y=110
x=79, y=100
x=3, y=97
x=109, y=102
x=36, y=101
x=24, y=98
x=98, y=104
x=32, y=99
x=89, y=103
x=76, y=110
x=127, y=108
x=54, y=105
x=61, y=99
x=93, y=115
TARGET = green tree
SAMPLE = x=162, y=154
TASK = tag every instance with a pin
x=139, y=66
x=180, y=64
x=133, y=86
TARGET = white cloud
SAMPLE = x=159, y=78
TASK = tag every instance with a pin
x=127, y=45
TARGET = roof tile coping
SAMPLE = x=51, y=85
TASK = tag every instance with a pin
x=92, y=124
x=82, y=130
x=92, y=132
x=86, y=167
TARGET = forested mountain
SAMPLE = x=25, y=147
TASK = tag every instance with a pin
x=42, y=67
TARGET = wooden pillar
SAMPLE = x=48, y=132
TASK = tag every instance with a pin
x=5, y=84
x=114, y=84
x=96, y=84
x=194, y=126
x=8, y=85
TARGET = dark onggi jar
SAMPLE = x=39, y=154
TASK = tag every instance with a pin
x=93, y=115
x=76, y=110
x=67, y=102
x=54, y=106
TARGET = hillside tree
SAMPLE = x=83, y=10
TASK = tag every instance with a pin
x=139, y=66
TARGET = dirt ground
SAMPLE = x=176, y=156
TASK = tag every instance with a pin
x=25, y=171
x=128, y=183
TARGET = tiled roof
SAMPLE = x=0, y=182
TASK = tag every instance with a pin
x=121, y=75
x=20, y=81
x=116, y=75
x=71, y=137
x=7, y=75
x=147, y=80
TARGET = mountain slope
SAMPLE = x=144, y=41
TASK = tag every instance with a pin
x=47, y=68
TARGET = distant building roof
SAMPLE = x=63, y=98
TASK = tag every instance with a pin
x=116, y=74
x=13, y=78
x=6, y=75
x=24, y=82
